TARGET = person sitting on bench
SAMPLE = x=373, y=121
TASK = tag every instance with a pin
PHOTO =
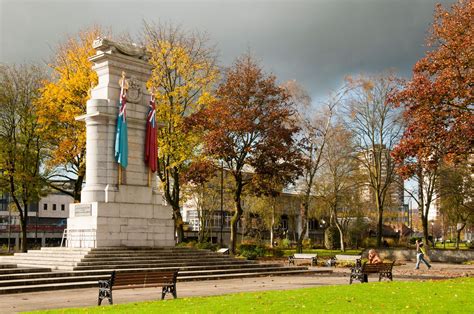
x=374, y=258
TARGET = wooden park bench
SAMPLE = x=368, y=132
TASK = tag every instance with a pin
x=130, y=280
x=343, y=258
x=301, y=256
x=361, y=273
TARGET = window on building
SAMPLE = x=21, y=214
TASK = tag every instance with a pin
x=313, y=224
x=54, y=206
x=45, y=206
x=284, y=222
x=63, y=207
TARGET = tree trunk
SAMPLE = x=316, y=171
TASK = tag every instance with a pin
x=378, y=203
x=78, y=186
x=23, y=226
x=304, y=226
x=341, y=233
x=273, y=224
x=458, y=235
x=237, y=214
x=424, y=223
x=178, y=221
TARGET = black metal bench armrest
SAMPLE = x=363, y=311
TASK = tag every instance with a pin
x=105, y=284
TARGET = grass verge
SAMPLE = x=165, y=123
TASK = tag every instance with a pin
x=447, y=296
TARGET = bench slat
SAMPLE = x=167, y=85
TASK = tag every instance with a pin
x=133, y=286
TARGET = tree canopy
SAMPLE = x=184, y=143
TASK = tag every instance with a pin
x=251, y=128
x=63, y=98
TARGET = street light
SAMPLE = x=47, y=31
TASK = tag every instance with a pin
x=222, y=200
x=432, y=234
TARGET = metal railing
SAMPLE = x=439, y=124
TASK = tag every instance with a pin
x=81, y=236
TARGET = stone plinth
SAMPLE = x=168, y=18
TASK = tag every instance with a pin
x=111, y=214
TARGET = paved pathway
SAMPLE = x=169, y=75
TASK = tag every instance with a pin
x=14, y=303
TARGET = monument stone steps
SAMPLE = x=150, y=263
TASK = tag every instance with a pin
x=106, y=272
x=6, y=266
x=183, y=274
x=93, y=284
x=22, y=270
x=154, y=257
x=69, y=259
x=157, y=262
x=199, y=265
x=43, y=258
x=176, y=265
x=108, y=257
x=63, y=249
x=151, y=255
x=153, y=265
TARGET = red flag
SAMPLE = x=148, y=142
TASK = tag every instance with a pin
x=150, y=139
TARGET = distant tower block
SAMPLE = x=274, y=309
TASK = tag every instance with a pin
x=111, y=214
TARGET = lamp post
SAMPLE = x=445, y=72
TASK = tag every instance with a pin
x=222, y=201
x=9, y=226
x=432, y=233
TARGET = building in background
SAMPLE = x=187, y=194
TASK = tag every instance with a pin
x=46, y=221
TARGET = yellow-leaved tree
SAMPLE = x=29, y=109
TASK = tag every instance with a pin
x=183, y=77
x=63, y=98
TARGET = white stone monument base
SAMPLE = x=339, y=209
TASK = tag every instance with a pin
x=113, y=224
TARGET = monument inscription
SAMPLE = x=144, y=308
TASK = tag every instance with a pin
x=83, y=210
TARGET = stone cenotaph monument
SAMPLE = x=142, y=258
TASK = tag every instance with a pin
x=131, y=212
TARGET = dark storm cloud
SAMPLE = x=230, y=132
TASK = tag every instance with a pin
x=314, y=42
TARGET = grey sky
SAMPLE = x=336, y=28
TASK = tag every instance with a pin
x=315, y=42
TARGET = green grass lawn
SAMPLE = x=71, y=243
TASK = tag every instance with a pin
x=449, y=296
x=451, y=246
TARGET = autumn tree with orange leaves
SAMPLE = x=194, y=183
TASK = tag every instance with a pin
x=63, y=98
x=183, y=79
x=251, y=128
x=438, y=103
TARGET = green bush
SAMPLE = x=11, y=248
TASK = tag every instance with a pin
x=190, y=244
x=285, y=243
x=198, y=245
x=413, y=239
x=252, y=251
x=206, y=246
x=277, y=252
x=331, y=238
x=307, y=244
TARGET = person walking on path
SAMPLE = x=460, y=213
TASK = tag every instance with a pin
x=420, y=255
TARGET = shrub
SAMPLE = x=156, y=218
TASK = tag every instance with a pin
x=413, y=239
x=252, y=251
x=331, y=238
x=277, y=252
x=206, y=246
x=189, y=244
x=285, y=243
x=307, y=244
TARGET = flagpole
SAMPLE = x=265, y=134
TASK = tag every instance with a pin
x=119, y=174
